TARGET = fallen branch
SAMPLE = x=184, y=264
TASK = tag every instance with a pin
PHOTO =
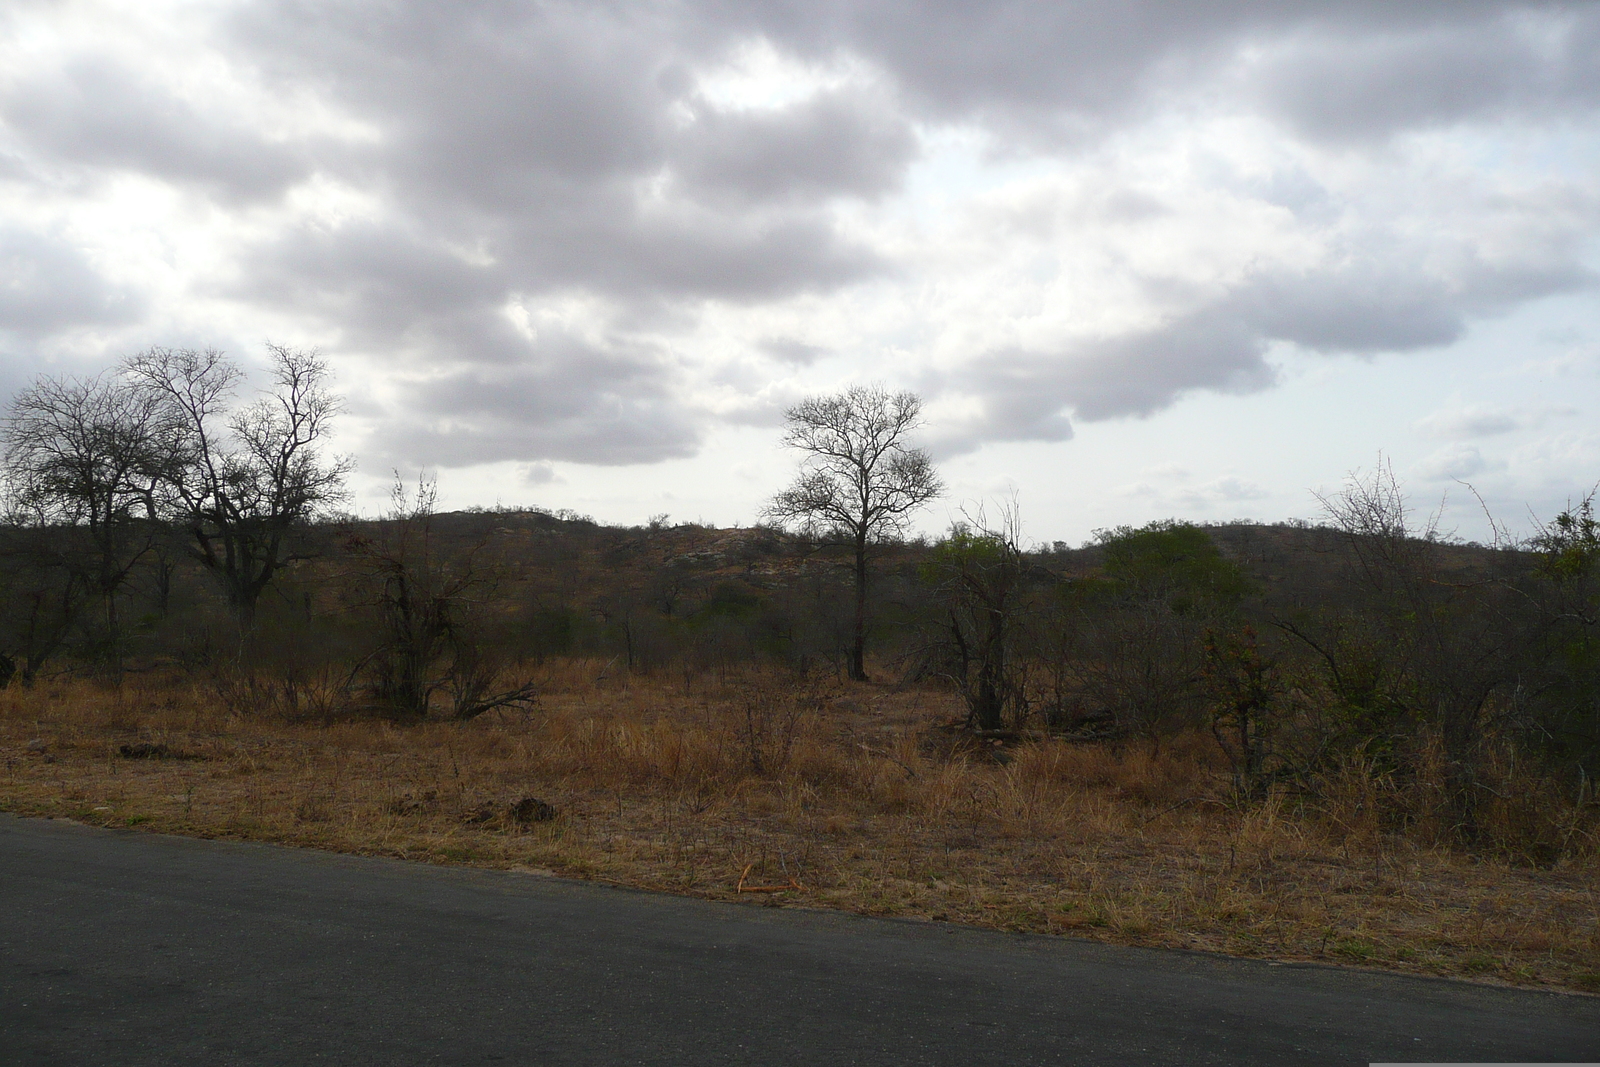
x=742, y=888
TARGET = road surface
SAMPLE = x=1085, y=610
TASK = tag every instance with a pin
x=127, y=948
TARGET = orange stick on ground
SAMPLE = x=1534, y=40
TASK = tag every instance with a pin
x=742, y=888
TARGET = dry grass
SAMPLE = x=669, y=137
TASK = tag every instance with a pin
x=852, y=794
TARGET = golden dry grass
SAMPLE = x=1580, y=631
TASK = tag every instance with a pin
x=861, y=802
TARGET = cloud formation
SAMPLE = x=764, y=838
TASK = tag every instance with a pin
x=570, y=401
x=49, y=286
x=1469, y=422
x=97, y=113
x=558, y=232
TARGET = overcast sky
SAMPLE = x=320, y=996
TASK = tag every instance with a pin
x=1141, y=258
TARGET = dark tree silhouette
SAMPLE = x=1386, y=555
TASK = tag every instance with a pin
x=86, y=456
x=859, y=480
x=243, y=480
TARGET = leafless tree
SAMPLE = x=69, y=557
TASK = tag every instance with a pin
x=1458, y=642
x=1244, y=691
x=860, y=479
x=88, y=455
x=429, y=602
x=45, y=598
x=244, y=479
x=981, y=574
x=1135, y=659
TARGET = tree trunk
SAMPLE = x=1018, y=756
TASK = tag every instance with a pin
x=244, y=609
x=1460, y=737
x=113, y=649
x=858, y=648
x=988, y=705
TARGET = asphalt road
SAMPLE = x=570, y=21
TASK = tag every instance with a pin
x=127, y=948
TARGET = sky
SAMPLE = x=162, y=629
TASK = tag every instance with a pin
x=1140, y=258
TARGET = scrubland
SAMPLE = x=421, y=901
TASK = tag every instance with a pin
x=757, y=785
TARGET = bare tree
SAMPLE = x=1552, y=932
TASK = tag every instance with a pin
x=44, y=597
x=1565, y=703
x=1456, y=643
x=245, y=478
x=982, y=573
x=1244, y=691
x=859, y=481
x=88, y=455
x=431, y=606
x=1133, y=656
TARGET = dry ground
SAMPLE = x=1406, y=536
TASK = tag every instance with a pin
x=851, y=797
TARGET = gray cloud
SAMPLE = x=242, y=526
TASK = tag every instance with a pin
x=791, y=351
x=1452, y=463
x=498, y=106
x=1047, y=70
x=517, y=145
x=373, y=280
x=1359, y=86
x=1387, y=303
x=537, y=474
x=46, y=285
x=1027, y=394
x=382, y=279
x=568, y=400
x=694, y=254
x=832, y=145
x=1219, y=491
x=528, y=151
x=1362, y=305
x=96, y=112
x=581, y=88
x=1468, y=422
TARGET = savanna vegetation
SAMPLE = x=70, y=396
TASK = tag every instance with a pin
x=1356, y=740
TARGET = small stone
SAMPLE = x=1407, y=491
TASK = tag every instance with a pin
x=38, y=744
